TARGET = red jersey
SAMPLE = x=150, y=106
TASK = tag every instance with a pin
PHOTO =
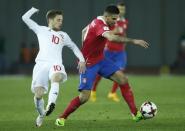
x=121, y=26
x=94, y=42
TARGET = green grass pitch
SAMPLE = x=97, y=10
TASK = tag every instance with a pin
x=17, y=112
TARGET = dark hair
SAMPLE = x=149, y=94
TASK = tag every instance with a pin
x=52, y=13
x=121, y=4
x=112, y=9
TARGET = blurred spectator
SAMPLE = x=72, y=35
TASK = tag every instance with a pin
x=179, y=64
x=2, y=55
x=25, y=56
x=33, y=50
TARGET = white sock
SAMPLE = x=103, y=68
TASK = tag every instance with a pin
x=39, y=104
x=53, y=93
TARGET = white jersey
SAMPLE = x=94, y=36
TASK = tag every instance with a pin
x=50, y=42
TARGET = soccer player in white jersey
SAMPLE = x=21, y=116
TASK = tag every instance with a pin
x=49, y=60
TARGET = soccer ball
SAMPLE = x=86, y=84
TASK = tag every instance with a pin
x=148, y=109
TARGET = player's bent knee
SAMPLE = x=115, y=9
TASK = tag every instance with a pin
x=84, y=96
x=119, y=77
x=123, y=80
x=57, y=77
x=84, y=99
x=39, y=92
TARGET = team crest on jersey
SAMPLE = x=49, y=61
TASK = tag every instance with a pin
x=120, y=29
x=105, y=28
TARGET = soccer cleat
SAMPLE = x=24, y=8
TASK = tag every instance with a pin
x=138, y=117
x=93, y=96
x=60, y=122
x=39, y=121
x=50, y=108
x=113, y=96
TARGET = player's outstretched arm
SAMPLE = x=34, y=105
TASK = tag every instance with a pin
x=81, y=65
x=26, y=18
x=141, y=43
x=111, y=36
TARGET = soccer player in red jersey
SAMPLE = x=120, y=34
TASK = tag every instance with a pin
x=115, y=52
x=94, y=39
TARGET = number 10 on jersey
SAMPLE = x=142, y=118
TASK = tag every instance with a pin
x=55, y=39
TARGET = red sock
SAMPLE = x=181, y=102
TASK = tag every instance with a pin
x=73, y=105
x=114, y=87
x=96, y=82
x=129, y=97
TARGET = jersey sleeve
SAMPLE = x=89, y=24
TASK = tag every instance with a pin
x=29, y=22
x=69, y=43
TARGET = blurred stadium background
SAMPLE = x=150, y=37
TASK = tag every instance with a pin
x=160, y=22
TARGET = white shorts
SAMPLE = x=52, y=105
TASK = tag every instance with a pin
x=42, y=73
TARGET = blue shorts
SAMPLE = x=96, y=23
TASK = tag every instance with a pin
x=119, y=58
x=104, y=68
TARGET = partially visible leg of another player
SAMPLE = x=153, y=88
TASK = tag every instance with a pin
x=94, y=88
x=39, y=104
x=112, y=94
x=53, y=93
x=127, y=94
